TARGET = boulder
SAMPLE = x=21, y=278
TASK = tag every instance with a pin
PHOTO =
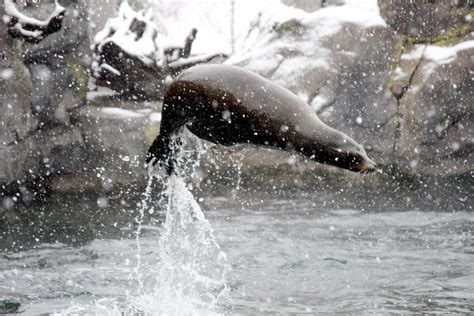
x=436, y=113
x=427, y=20
x=59, y=62
x=115, y=142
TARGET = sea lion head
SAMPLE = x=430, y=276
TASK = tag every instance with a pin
x=337, y=149
x=352, y=156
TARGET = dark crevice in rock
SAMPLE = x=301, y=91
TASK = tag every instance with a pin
x=326, y=106
x=446, y=123
x=397, y=128
x=398, y=97
x=18, y=139
x=274, y=70
x=313, y=95
x=394, y=116
x=404, y=89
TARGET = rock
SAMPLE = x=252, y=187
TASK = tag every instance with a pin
x=16, y=122
x=44, y=154
x=360, y=105
x=115, y=143
x=427, y=20
x=436, y=112
x=42, y=81
x=307, y=5
x=9, y=307
x=59, y=63
x=15, y=92
x=29, y=151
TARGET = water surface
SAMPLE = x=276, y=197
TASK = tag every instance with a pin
x=287, y=254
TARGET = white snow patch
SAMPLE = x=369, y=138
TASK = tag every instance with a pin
x=155, y=117
x=117, y=31
x=329, y=20
x=415, y=53
x=100, y=92
x=260, y=50
x=7, y=74
x=119, y=113
x=444, y=55
x=399, y=73
x=318, y=102
x=110, y=68
x=11, y=10
x=175, y=18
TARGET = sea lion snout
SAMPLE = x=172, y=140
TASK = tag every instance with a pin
x=365, y=166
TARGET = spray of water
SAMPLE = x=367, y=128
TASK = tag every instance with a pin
x=187, y=275
x=189, y=278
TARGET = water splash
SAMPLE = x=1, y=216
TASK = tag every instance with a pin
x=189, y=275
x=187, y=272
x=145, y=205
x=235, y=191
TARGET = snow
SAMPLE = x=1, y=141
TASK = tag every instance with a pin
x=260, y=44
x=108, y=67
x=318, y=102
x=116, y=112
x=7, y=74
x=330, y=20
x=100, y=92
x=11, y=10
x=415, y=53
x=438, y=54
x=172, y=21
x=155, y=117
x=213, y=21
x=444, y=55
x=117, y=30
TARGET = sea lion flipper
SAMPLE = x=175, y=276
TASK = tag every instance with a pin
x=160, y=152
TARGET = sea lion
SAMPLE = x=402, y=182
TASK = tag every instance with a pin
x=229, y=105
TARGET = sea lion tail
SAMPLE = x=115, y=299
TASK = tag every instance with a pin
x=160, y=152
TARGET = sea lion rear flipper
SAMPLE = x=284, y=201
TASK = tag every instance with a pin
x=160, y=152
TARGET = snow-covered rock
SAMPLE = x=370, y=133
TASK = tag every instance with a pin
x=29, y=28
x=127, y=56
